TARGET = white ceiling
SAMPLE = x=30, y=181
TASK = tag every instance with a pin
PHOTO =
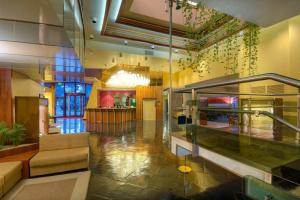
x=261, y=12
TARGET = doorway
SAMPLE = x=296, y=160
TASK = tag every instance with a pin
x=149, y=109
x=71, y=99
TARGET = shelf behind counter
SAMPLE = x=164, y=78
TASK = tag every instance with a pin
x=110, y=115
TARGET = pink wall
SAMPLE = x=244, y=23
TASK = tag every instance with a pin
x=106, y=98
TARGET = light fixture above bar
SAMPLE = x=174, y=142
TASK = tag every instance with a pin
x=124, y=79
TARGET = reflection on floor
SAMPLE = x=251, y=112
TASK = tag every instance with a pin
x=133, y=161
x=71, y=125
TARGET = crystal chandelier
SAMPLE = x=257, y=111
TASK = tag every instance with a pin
x=127, y=80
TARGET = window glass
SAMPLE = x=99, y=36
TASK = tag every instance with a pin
x=79, y=88
x=71, y=98
x=59, y=106
x=70, y=87
x=59, y=90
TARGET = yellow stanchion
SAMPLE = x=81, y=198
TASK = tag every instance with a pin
x=184, y=169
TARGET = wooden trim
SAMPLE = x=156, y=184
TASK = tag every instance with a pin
x=145, y=41
x=108, y=4
x=150, y=92
x=149, y=26
x=6, y=102
x=18, y=149
x=142, y=24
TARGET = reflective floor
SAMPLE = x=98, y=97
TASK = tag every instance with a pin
x=133, y=161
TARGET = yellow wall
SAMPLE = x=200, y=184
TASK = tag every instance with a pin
x=50, y=95
x=104, y=59
x=278, y=52
x=93, y=100
x=24, y=86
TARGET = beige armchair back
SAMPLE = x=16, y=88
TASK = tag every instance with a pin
x=63, y=141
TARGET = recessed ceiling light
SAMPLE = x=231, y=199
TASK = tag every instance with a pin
x=94, y=20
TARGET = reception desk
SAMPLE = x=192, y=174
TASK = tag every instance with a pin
x=110, y=115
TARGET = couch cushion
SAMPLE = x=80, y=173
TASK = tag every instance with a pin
x=1, y=186
x=11, y=173
x=63, y=156
x=8, y=168
x=63, y=141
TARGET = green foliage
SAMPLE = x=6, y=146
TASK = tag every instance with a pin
x=207, y=30
x=16, y=134
x=250, y=39
x=3, y=133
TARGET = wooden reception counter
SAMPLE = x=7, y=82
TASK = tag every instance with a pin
x=110, y=115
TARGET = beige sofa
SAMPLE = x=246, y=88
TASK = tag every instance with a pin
x=10, y=174
x=59, y=153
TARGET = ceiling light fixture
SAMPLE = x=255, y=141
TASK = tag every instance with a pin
x=127, y=80
x=92, y=36
x=94, y=20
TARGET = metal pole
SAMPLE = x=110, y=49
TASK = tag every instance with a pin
x=254, y=112
x=260, y=77
x=170, y=64
x=298, y=116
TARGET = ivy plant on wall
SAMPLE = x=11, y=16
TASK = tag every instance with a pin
x=214, y=37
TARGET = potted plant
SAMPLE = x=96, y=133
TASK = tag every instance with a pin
x=3, y=134
x=16, y=134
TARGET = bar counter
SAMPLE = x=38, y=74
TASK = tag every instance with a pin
x=110, y=115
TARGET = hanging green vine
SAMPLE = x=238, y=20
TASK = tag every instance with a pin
x=214, y=37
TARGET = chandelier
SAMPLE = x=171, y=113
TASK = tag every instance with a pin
x=126, y=79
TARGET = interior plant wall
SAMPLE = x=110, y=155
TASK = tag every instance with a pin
x=216, y=38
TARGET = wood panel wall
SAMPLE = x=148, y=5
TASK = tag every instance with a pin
x=6, y=112
x=150, y=92
x=27, y=113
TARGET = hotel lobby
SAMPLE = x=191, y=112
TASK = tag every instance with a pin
x=154, y=100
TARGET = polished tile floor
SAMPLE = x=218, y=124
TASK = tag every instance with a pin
x=133, y=161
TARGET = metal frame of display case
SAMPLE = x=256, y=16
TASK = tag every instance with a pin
x=268, y=76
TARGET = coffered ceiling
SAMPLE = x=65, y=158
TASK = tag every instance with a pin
x=144, y=24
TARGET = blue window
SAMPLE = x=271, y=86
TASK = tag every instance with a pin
x=69, y=87
x=60, y=90
x=80, y=88
x=59, y=106
x=71, y=98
